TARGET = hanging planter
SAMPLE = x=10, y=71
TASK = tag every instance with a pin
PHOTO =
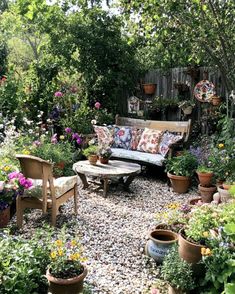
x=216, y=100
x=149, y=88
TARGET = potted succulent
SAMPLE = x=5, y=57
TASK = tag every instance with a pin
x=180, y=169
x=66, y=271
x=104, y=154
x=177, y=272
x=91, y=153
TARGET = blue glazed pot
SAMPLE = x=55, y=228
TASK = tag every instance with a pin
x=159, y=243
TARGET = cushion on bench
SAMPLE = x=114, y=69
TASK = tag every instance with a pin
x=156, y=159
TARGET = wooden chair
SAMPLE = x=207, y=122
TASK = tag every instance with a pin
x=53, y=192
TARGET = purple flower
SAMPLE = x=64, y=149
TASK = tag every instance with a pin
x=58, y=94
x=15, y=175
x=97, y=105
x=79, y=140
x=37, y=143
x=75, y=136
x=68, y=130
x=54, y=139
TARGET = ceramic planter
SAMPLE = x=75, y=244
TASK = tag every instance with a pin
x=93, y=159
x=4, y=217
x=149, y=88
x=190, y=252
x=224, y=194
x=160, y=241
x=66, y=286
x=104, y=160
x=187, y=110
x=205, y=178
x=180, y=184
x=207, y=193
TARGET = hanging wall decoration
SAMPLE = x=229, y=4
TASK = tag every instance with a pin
x=204, y=91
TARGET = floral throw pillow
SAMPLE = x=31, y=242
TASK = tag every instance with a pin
x=167, y=140
x=135, y=137
x=105, y=135
x=150, y=140
x=122, y=137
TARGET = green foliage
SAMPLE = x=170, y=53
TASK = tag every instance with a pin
x=91, y=150
x=184, y=165
x=204, y=169
x=23, y=263
x=177, y=272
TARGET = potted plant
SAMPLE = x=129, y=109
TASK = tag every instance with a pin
x=66, y=271
x=91, y=153
x=104, y=154
x=205, y=175
x=177, y=272
x=216, y=100
x=149, y=88
x=180, y=169
x=6, y=195
x=186, y=106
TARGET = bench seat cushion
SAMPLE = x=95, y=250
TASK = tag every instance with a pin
x=143, y=157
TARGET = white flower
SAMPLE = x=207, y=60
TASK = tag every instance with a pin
x=93, y=122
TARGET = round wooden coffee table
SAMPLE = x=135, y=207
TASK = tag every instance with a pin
x=114, y=169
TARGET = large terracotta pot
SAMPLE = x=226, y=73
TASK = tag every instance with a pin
x=149, y=88
x=66, y=286
x=180, y=184
x=207, y=193
x=190, y=252
x=93, y=159
x=159, y=244
x=205, y=178
x=4, y=217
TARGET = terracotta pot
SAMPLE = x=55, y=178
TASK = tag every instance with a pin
x=66, y=286
x=224, y=194
x=180, y=184
x=205, y=178
x=149, y=88
x=226, y=186
x=159, y=244
x=216, y=100
x=194, y=201
x=173, y=290
x=191, y=252
x=207, y=193
x=93, y=159
x=104, y=160
x=4, y=217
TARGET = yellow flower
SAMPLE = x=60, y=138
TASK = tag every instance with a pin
x=72, y=257
x=221, y=145
x=208, y=251
x=58, y=243
x=53, y=254
x=26, y=152
x=83, y=259
x=205, y=251
x=60, y=252
x=173, y=205
x=61, y=137
x=205, y=234
x=76, y=255
x=73, y=243
x=6, y=168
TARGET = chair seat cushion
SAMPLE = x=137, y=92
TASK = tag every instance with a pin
x=62, y=185
x=156, y=159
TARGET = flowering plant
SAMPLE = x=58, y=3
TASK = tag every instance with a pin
x=66, y=258
x=105, y=152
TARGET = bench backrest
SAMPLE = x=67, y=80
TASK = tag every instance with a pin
x=182, y=127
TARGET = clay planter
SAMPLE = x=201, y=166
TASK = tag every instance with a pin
x=224, y=194
x=205, y=178
x=66, y=286
x=190, y=252
x=93, y=159
x=159, y=244
x=216, y=100
x=207, y=193
x=226, y=186
x=173, y=290
x=149, y=88
x=104, y=160
x=194, y=201
x=180, y=184
x=4, y=217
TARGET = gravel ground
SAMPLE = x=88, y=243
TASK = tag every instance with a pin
x=114, y=231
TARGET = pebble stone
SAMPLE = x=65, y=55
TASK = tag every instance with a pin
x=114, y=231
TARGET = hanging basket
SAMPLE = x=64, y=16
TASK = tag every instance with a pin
x=149, y=88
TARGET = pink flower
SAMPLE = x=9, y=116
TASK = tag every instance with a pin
x=75, y=136
x=97, y=105
x=79, y=141
x=54, y=139
x=37, y=143
x=58, y=94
